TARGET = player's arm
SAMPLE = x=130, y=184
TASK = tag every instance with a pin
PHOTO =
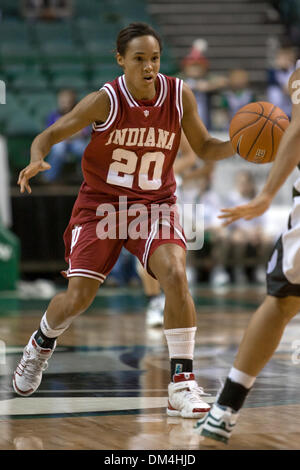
x=93, y=108
x=203, y=144
x=287, y=157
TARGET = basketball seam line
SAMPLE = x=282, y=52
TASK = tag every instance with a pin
x=267, y=119
x=247, y=125
x=272, y=135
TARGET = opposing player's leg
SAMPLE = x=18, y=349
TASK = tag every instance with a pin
x=61, y=312
x=167, y=263
x=259, y=343
x=261, y=338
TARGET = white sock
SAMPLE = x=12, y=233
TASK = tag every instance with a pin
x=240, y=377
x=181, y=342
x=50, y=332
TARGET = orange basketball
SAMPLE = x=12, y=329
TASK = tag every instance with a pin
x=256, y=130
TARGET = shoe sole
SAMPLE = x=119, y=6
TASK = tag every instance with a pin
x=212, y=438
x=198, y=414
x=19, y=392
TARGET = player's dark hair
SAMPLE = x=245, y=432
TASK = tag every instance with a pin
x=132, y=31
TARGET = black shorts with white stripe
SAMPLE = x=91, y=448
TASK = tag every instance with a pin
x=277, y=283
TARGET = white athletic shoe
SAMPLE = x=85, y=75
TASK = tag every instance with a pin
x=218, y=424
x=155, y=311
x=185, y=397
x=29, y=371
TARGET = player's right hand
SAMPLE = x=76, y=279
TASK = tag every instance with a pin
x=249, y=211
x=28, y=172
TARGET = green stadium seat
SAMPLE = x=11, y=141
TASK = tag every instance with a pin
x=112, y=68
x=99, y=80
x=12, y=36
x=100, y=52
x=7, y=112
x=12, y=27
x=72, y=69
x=105, y=73
x=50, y=31
x=22, y=124
x=9, y=8
x=18, y=152
x=18, y=53
x=65, y=53
x=11, y=71
x=33, y=101
x=67, y=81
x=30, y=80
x=99, y=31
x=39, y=105
x=88, y=8
x=169, y=67
x=84, y=92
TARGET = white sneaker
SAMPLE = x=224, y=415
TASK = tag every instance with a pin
x=185, y=397
x=219, y=277
x=29, y=371
x=155, y=311
x=218, y=424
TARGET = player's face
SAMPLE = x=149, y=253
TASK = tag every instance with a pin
x=141, y=63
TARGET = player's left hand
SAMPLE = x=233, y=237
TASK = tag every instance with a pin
x=28, y=172
x=249, y=211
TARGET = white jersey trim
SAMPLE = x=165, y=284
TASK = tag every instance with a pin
x=81, y=274
x=291, y=245
x=152, y=234
x=151, y=237
x=113, y=109
x=84, y=273
x=179, y=106
x=163, y=90
x=132, y=102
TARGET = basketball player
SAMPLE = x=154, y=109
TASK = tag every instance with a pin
x=137, y=122
x=183, y=165
x=282, y=302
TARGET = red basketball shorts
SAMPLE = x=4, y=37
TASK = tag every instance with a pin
x=93, y=247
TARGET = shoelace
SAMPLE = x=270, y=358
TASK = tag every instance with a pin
x=196, y=392
x=33, y=365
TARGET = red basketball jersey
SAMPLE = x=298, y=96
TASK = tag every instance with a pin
x=132, y=153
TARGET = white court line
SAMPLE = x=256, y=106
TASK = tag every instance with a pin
x=66, y=405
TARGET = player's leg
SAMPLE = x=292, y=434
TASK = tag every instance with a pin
x=155, y=298
x=90, y=260
x=259, y=343
x=264, y=333
x=66, y=306
x=61, y=312
x=167, y=263
x=261, y=338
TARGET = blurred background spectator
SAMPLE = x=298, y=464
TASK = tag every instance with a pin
x=195, y=72
x=69, y=149
x=237, y=94
x=46, y=9
x=278, y=77
x=250, y=245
